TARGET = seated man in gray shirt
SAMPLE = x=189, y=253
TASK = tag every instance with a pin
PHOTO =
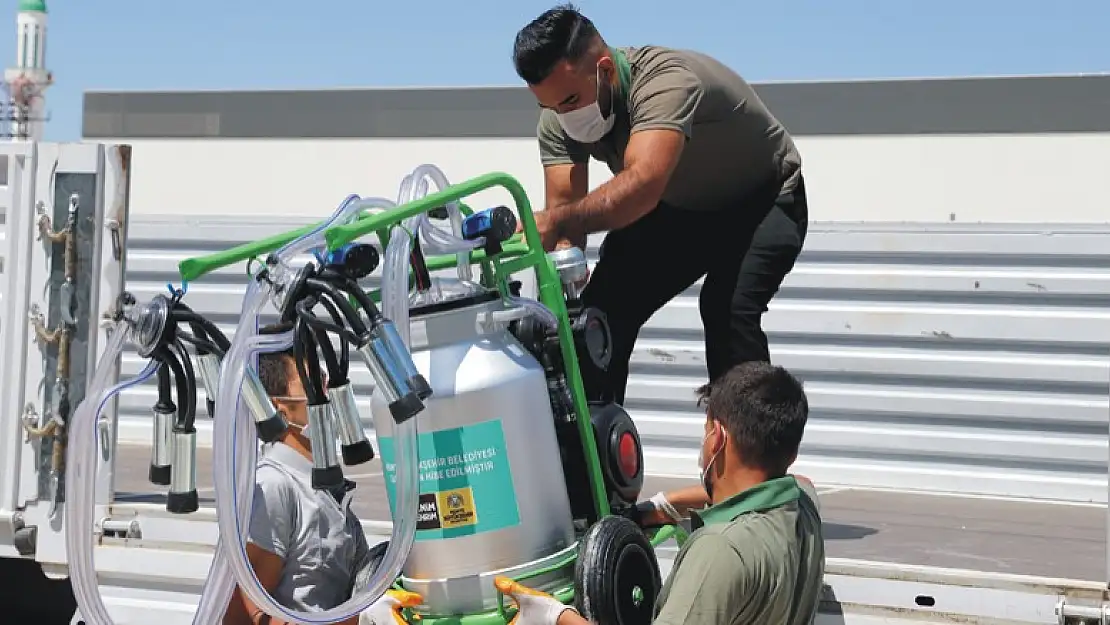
x=306, y=546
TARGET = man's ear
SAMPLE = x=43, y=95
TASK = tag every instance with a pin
x=721, y=435
x=609, y=66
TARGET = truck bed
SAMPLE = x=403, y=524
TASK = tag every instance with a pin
x=949, y=531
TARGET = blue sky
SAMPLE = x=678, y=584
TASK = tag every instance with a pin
x=210, y=44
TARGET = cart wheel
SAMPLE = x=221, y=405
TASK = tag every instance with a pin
x=616, y=577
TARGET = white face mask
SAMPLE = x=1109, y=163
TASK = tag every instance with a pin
x=703, y=467
x=302, y=428
x=586, y=124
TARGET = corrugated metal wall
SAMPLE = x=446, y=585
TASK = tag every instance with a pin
x=935, y=357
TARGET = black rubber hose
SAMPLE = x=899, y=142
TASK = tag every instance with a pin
x=191, y=382
x=324, y=289
x=322, y=340
x=308, y=365
x=165, y=386
x=203, y=342
x=203, y=345
x=352, y=288
x=186, y=314
x=317, y=323
x=344, y=348
x=170, y=360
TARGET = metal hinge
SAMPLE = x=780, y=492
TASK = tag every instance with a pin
x=114, y=528
x=1076, y=614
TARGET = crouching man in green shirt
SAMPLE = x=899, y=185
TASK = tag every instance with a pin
x=757, y=554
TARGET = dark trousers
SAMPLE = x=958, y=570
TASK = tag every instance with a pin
x=744, y=254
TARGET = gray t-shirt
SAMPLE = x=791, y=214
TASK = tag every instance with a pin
x=316, y=534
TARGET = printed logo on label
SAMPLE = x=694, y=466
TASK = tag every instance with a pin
x=427, y=514
x=446, y=509
x=457, y=507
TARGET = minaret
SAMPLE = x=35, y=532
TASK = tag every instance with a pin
x=28, y=80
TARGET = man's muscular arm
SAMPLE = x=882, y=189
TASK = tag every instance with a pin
x=650, y=159
x=565, y=184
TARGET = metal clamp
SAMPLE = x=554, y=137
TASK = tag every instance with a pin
x=113, y=226
x=43, y=218
x=30, y=420
x=104, y=435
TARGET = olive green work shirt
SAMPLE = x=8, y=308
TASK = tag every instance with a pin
x=734, y=145
x=757, y=558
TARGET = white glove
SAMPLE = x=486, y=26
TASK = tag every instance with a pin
x=664, y=505
x=533, y=607
x=387, y=609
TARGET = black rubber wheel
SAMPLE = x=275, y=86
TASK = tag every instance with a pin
x=616, y=577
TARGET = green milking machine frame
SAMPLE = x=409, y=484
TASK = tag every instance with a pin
x=496, y=270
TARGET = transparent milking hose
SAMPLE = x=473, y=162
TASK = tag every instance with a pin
x=81, y=461
x=447, y=244
x=396, y=268
x=218, y=589
x=232, y=449
x=81, y=477
x=81, y=498
x=441, y=242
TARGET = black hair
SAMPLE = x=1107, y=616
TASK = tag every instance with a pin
x=764, y=410
x=559, y=34
x=274, y=368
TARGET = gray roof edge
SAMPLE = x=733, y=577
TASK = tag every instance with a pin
x=494, y=87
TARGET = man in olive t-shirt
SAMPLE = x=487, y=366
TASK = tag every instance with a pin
x=757, y=554
x=707, y=183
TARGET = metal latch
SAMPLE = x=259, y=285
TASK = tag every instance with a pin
x=113, y=226
x=1075, y=614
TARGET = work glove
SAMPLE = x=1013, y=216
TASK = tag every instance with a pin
x=387, y=609
x=654, y=512
x=533, y=607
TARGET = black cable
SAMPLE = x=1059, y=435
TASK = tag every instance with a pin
x=419, y=267
x=304, y=311
x=344, y=349
x=308, y=365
